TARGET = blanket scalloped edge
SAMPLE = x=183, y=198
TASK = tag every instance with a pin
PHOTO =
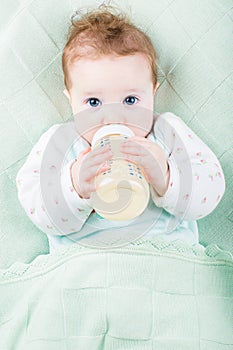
x=211, y=254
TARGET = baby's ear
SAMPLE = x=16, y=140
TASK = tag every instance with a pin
x=67, y=95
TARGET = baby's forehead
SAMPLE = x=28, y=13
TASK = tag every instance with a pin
x=116, y=61
x=110, y=72
x=89, y=54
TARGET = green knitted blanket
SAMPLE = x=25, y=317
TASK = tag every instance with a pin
x=147, y=295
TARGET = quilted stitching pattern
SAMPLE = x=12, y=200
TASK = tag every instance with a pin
x=194, y=63
x=82, y=299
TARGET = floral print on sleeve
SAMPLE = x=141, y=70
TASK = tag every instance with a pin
x=29, y=195
x=197, y=181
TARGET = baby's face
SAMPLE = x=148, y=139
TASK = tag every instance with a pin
x=125, y=81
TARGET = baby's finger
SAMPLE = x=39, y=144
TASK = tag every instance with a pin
x=83, y=153
x=137, y=159
x=103, y=168
x=102, y=158
x=100, y=150
x=98, y=159
x=94, y=171
x=87, y=189
x=96, y=152
x=134, y=149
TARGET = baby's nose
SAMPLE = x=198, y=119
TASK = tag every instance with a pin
x=112, y=113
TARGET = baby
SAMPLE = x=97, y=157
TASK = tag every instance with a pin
x=108, y=61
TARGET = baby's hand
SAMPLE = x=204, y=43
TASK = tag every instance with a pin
x=84, y=170
x=151, y=158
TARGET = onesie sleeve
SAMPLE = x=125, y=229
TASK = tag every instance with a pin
x=196, y=183
x=45, y=190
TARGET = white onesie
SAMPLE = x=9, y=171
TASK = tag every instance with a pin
x=195, y=188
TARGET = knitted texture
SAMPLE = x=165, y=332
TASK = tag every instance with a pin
x=149, y=294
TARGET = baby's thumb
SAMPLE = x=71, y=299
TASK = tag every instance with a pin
x=81, y=154
x=85, y=151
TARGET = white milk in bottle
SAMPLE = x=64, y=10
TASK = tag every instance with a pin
x=122, y=191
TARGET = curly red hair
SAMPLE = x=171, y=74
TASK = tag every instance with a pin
x=104, y=32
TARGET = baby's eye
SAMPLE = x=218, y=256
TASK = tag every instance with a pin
x=93, y=102
x=130, y=100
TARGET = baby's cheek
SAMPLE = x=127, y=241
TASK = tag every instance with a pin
x=139, y=131
x=90, y=134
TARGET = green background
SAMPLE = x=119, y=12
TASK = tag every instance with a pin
x=193, y=43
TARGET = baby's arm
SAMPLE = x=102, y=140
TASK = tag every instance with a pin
x=65, y=212
x=197, y=181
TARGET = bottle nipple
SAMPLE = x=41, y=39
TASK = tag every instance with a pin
x=111, y=129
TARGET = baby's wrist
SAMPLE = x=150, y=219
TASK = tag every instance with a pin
x=162, y=189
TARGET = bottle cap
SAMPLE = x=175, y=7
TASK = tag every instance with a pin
x=112, y=129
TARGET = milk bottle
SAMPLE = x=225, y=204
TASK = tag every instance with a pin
x=122, y=191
